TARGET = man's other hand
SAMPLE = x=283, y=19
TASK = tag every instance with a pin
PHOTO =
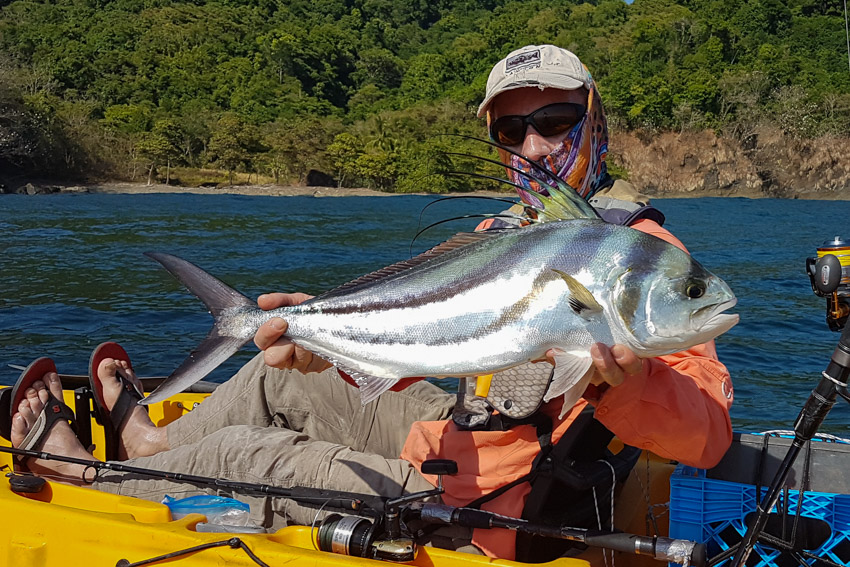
x=278, y=351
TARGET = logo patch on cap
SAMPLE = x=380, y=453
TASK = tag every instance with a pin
x=523, y=60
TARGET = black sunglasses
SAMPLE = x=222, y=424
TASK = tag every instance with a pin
x=551, y=120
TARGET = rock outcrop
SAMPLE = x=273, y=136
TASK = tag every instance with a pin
x=700, y=164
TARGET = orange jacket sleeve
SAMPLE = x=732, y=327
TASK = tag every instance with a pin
x=678, y=407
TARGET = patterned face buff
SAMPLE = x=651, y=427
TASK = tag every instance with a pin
x=579, y=160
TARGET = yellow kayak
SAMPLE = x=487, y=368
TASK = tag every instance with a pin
x=70, y=526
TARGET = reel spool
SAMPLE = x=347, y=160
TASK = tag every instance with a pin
x=356, y=536
x=829, y=274
x=346, y=535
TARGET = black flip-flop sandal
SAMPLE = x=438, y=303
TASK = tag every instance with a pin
x=55, y=410
x=127, y=400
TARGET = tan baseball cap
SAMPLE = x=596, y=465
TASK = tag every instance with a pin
x=543, y=66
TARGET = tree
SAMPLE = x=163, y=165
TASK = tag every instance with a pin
x=161, y=145
x=344, y=151
x=229, y=144
x=25, y=144
x=154, y=148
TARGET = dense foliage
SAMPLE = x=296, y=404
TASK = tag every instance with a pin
x=360, y=88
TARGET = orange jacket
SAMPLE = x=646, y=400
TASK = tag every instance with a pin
x=678, y=408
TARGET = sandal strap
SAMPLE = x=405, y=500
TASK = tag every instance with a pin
x=127, y=400
x=6, y=413
x=54, y=411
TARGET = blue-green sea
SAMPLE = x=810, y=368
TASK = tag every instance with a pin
x=72, y=275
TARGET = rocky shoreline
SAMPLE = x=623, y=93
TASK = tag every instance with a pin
x=770, y=164
x=45, y=188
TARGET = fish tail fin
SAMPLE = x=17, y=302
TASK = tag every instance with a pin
x=224, y=339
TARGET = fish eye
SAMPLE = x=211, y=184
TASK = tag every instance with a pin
x=695, y=290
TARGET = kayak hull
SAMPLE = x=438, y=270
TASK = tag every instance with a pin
x=76, y=526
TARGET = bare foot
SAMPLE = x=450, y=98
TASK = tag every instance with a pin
x=60, y=440
x=138, y=436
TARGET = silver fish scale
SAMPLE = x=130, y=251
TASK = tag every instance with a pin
x=517, y=392
x=393, y=328
x=484, y=307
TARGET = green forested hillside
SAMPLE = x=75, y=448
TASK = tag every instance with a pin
x=358, y=88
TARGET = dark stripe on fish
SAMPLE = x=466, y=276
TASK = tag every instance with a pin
x=460, y=284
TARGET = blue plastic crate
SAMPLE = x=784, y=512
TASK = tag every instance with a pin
x=714, y=512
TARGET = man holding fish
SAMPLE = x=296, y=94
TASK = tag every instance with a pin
x=626, y=320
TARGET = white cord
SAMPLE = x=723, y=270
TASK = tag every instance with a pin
x=599, y=517
x=315, y=540
x=833, y=380
x=823, y=436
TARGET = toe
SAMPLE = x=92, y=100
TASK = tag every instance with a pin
x=20, y=428
x=26, y=413
x=43, y=396
x=33, y=397
x=54, y=384
x=127, y=372
x=107, y=369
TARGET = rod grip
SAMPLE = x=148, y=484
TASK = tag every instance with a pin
x=661, y=548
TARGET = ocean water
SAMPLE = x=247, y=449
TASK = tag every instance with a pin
x=73, y=274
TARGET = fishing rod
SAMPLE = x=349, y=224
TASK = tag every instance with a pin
x=347, y=501
x=830, y=278
x=665, y=549
x=379, y=530
x=393, y=541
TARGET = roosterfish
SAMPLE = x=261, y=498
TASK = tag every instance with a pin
x=485, y=303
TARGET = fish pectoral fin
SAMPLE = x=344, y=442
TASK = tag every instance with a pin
x=581, y=300
x=370, y=386
x=571, y=377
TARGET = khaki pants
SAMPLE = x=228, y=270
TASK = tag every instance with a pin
x=287, y=429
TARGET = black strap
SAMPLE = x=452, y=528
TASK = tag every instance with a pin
x=114, y=419
x=543, y=424
x=6, y=413
x=562, y=493
x=54, y=410
x=478, y=502
x=127, y=400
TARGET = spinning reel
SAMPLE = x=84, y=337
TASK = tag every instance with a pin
x=829, y=274
x=388, y=535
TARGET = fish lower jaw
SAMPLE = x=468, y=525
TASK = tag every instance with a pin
x=677, y=342
x=720, y=323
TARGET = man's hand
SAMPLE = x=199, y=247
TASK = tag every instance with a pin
x=611, y=365
x=278, y=351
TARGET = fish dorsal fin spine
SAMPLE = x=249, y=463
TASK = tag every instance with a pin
x=581, y=300
x=457, y=241
x=562, y=203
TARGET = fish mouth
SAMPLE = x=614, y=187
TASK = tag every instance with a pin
x=714, y=317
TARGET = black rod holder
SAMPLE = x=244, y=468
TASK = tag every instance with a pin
x=815, y=410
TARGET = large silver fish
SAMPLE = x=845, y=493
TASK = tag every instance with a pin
x=484, y=302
